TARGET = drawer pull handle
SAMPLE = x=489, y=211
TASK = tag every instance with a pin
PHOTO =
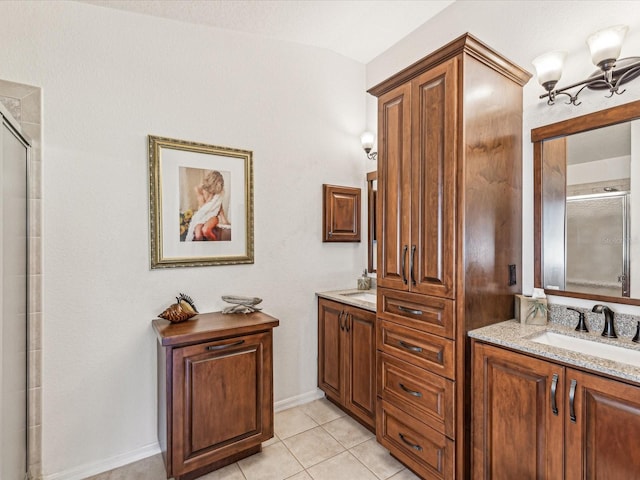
x=572, y=401
x=340, y=320
x=416, y=447
x=409, y=391
x=554, y=389
x=227, y=345
x=409, y=310
x=411, y=348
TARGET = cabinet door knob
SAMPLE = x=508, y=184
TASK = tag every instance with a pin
x=227, y=345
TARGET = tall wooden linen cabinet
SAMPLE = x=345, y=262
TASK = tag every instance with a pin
x=450, y=242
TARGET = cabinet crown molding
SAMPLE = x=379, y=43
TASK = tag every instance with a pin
x=466, y=43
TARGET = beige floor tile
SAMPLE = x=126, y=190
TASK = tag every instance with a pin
x=405, y=474
x=271, y=441
x=230, y=472
x=313, y=446
x=377, y=459
x=301, y=476
x=150, y=468
x=291, y=422
x=341, y=467
x=348, y=432
x=275, y=462
x=322, y=411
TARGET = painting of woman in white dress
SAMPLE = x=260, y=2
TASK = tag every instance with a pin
x=204, y=201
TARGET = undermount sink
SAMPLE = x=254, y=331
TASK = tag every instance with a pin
x=364, y=296
x=589, y=347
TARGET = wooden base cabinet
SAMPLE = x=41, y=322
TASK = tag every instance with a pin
x=346, y=358
x=215, y=390
x=536, y=419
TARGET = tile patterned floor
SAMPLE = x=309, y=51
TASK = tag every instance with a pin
x=315, y=441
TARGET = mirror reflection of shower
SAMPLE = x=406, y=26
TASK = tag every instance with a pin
x=599, y=205
x=597, y=238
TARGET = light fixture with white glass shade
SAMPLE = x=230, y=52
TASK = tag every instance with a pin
x=367, y=139
x=605, y=46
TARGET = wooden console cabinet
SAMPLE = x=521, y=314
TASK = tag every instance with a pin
x=346, y=358
x=449, y=242
x=537, y=419
x=215, y=390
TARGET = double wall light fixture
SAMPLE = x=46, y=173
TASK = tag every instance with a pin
x=367, y=139
x=605, y=46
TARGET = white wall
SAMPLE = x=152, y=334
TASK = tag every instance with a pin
x=109, y=79
x=522, y=30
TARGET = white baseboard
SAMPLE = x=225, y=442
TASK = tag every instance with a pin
x=297, y=400
x=84, y=471
x=90, y=469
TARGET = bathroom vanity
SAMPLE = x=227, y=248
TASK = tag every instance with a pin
x=215, y=390
x=347, y=352
x=543, y=411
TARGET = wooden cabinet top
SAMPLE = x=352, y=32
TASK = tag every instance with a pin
x=464, y=44
x=211, y=326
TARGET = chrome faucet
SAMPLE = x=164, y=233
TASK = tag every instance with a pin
x=609, y=328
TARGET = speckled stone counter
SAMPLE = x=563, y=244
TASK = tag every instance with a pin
x=513, y=335
x=345, y=296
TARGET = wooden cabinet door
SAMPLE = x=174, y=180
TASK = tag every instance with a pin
x=341, y=213
x=517, y=428
x=224, y=392
x=361, y=355
x=394, y=188
x=433, y=175
x=602, y=428
x=331, y=375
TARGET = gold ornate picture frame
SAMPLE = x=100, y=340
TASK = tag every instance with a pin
x=200, y=204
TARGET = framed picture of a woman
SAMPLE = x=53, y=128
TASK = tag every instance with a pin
x=200, y=204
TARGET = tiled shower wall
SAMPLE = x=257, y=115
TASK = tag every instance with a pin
x=24, y=104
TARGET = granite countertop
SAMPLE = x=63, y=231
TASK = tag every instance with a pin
x=346, y=296
x=513, y=335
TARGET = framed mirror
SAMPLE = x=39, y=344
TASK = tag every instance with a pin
x=587, y=206
x=372, y=197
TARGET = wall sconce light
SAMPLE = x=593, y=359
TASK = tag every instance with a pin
x=605, y=46
x=367, y=139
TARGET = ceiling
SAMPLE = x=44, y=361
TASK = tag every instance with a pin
x=358, y=29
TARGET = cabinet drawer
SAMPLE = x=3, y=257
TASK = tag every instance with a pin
x=429, y=453
x=418, y=391
x=422, y=312
x=431, y=352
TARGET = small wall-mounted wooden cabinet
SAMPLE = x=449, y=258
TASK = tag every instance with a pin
x=215, y=390
x=537, y=419
x=346, y=358
x=340, y=214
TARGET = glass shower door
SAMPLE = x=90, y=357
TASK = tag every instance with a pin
x=597, y=259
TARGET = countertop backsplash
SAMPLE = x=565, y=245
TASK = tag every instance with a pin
x=625, y=324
